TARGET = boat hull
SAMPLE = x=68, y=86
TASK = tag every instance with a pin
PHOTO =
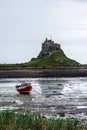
x=24, y=90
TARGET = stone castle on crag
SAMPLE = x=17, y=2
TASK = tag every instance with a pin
x=51, y=55
x=48, y=48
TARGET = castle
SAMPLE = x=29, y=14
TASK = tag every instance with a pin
x=48, y=48
x=49, y=45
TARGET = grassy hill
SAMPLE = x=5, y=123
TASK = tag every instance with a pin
x=54, y=61
x=50, y=56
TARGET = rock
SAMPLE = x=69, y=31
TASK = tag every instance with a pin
x=51, y=55
x=48, y=48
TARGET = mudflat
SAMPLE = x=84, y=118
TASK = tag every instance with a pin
x=52, y=72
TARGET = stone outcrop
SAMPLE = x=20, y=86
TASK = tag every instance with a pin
x=48, y=48
x=51, y=55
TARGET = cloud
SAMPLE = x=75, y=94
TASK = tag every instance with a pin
x=26, y=23
x=73, y=34
x=73, y=20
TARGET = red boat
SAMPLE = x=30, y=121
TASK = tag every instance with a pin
x=24, y=88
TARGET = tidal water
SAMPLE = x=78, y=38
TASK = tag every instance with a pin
x=57, y=97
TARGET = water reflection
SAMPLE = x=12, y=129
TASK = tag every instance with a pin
x=51, y=96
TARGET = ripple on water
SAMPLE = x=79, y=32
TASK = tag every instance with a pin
x=49, y=95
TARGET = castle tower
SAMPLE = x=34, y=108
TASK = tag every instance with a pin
x=50, y=45
x=48, y=48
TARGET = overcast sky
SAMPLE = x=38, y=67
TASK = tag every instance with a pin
x=24, y=25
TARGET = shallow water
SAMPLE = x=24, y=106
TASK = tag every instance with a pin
x=51, y=96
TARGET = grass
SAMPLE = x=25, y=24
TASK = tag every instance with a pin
x=56, y=60
x=34, y=121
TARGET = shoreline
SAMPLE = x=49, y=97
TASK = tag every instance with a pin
x=49, y=72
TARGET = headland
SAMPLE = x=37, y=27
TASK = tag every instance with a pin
x=50, y=62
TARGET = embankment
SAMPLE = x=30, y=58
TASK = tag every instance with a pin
x=57, y=72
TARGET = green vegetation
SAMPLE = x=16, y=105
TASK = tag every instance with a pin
x=12, y=66
x=56, y=60
x=33, y=121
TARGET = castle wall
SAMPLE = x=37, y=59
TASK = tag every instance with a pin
x=50, y=45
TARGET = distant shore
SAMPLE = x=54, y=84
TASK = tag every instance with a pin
x=54, y=72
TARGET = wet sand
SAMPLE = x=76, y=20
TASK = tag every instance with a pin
x=60, y=72
x=43, y=107
x=29, y=106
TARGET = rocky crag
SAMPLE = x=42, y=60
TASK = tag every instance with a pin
x=51, y=62
x=51, y=55
x=48, y=48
